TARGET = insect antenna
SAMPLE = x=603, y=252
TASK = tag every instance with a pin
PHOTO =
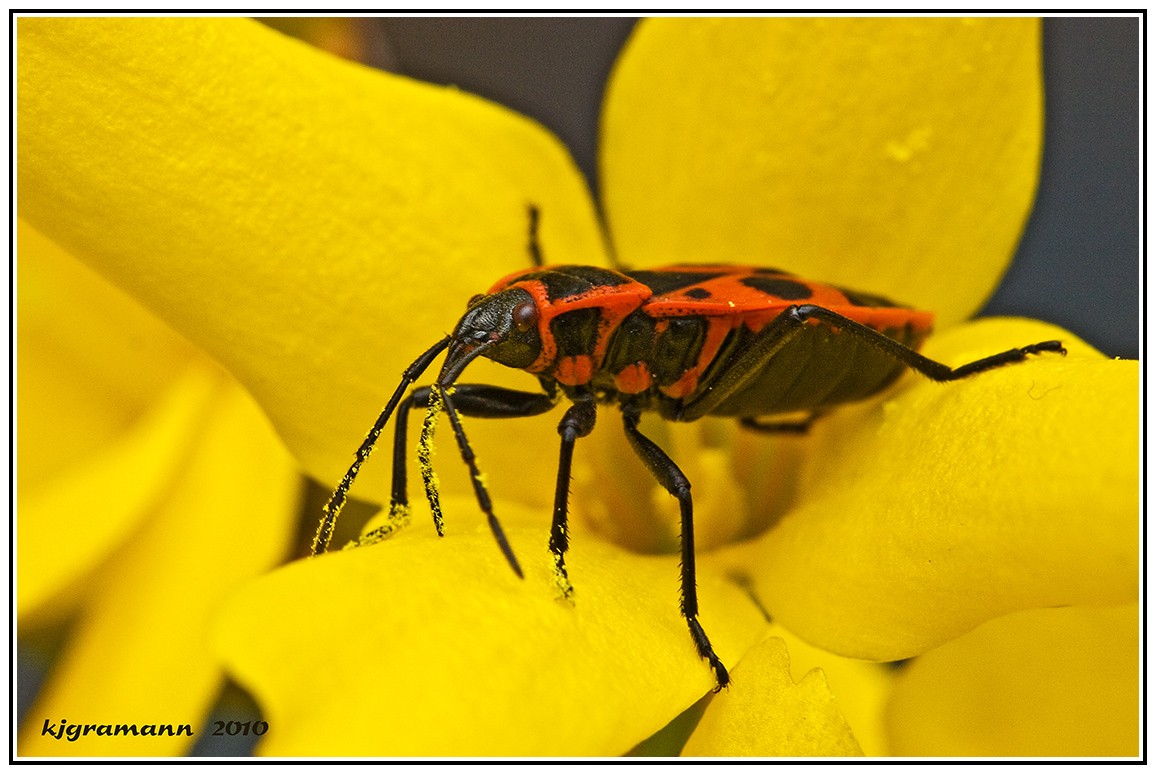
x=337, y=500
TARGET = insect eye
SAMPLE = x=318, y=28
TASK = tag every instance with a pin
x=475, y=299
x=525, y=316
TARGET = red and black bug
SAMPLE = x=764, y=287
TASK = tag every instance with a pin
x=687, y=341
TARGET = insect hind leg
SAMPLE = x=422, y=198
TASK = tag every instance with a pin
x=771, y=426
x=930, y=368
x=1015, y=355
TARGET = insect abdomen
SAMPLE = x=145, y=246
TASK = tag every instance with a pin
x=820, y=368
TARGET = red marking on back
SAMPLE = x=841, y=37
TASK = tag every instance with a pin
x=726, y=299
x=615, y=302
x=728, y=296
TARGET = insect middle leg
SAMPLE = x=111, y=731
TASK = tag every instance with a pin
x=675, y=482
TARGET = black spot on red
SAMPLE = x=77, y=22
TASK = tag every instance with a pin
x=663, y=282
x=780, y=287
x=697, y=293
x=563, y=282
x=859, y=298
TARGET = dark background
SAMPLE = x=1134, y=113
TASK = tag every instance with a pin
x=1079, y=262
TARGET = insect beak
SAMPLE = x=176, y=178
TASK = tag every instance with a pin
x=457, y=358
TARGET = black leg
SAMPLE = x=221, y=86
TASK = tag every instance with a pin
x=337, y=500
x=912, y=359
x=673, y=480
x=773, y=426
x=447, y=397
x=746, y=365
x=472, y=400
x=425, y=457
x=576, y=423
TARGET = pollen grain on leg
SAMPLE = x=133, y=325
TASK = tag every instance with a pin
x=562, y=581
x=398, y=519
x=425, y=451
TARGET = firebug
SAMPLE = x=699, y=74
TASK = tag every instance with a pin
x=771, y=349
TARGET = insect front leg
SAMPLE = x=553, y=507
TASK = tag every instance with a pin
x=337, y=500
x=472, y=400
x=399, y=511
x=576, y=423
x=675, y=482
x=493, y=401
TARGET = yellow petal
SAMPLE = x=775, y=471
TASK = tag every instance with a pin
x=765, y=713
x=312, y=223
x=427, y=646
x=64, y=531
x=90, y=359
x=108, y=402
x=946, y=505
x=1062, y=682
x=861, y=688
x=140, y=655
x=899, y=156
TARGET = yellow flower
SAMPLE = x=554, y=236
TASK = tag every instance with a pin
x=314, y=225
x=137, y=459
